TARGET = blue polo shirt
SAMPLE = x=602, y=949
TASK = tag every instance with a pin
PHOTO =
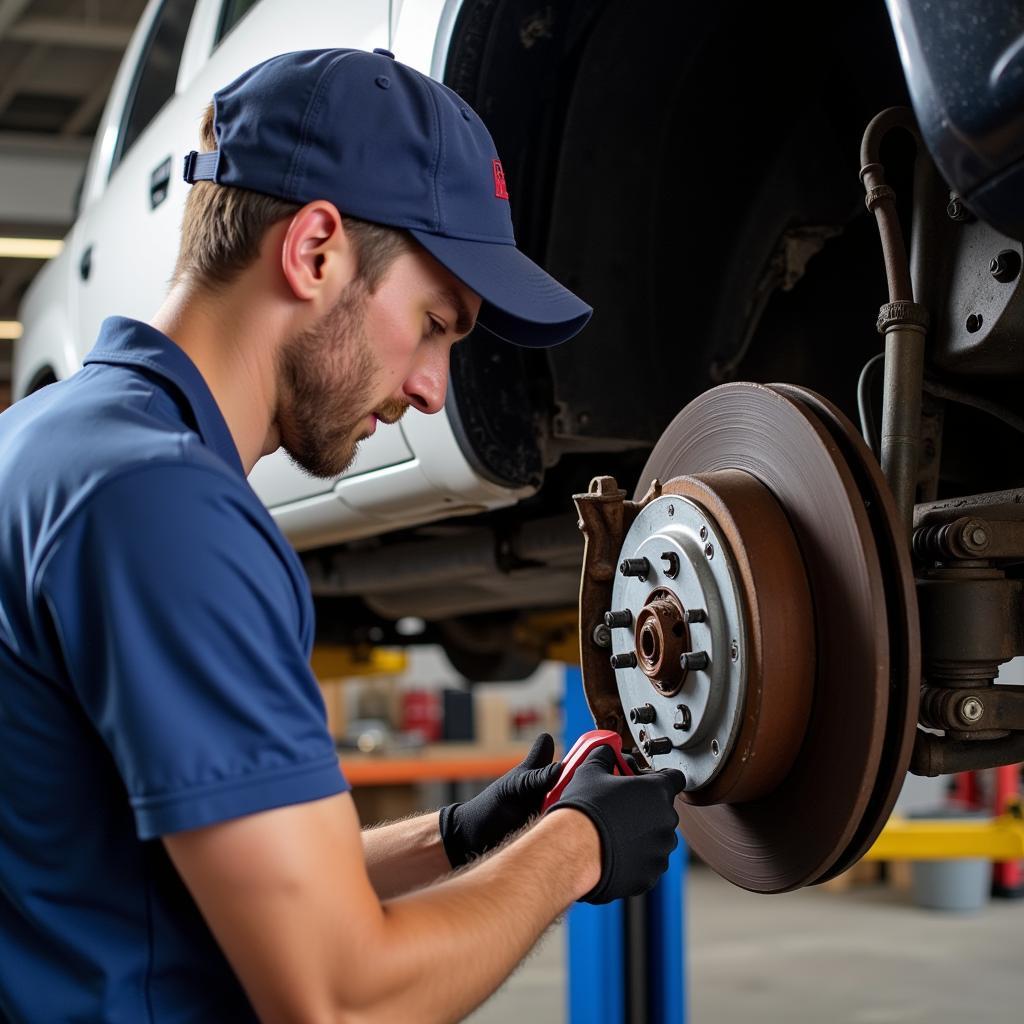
x=155, y=632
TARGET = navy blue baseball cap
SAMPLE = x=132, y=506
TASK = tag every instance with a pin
x=387, y=144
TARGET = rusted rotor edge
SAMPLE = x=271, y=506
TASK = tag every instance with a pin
x=901, y=614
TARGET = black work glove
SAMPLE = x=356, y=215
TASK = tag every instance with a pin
x=635, y=818
x=505, y=806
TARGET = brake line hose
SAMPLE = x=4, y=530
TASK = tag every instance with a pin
x=901, y=320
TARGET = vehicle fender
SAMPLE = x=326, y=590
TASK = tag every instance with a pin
x=48, y=342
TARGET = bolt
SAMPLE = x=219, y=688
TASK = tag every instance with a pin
x=656, y=745
x=709, y=550
x=1005, y=266
x=734, y=650
x=618, y=620
x=642, y=715
x=671, y=510
x=696, y=615
x=974, y=535
x=694, y=660
x=627, y=660
x=639, y=567
x=971, y=709
x=671, y=560
x=683, y=718
x=956, y=210
x=602, y=635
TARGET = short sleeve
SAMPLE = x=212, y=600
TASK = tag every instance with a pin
x=179, y=626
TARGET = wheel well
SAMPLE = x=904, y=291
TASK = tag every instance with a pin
x=682, y=190
x=42, y=378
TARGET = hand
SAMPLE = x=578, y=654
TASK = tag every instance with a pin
x=505, y=806
x=635, y=818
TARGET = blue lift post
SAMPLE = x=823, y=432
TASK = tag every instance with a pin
x=626, y=959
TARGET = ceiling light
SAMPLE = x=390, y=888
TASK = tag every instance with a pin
x=30, y=248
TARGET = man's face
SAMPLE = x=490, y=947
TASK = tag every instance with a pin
x=368, y=359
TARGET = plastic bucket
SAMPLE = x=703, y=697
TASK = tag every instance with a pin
x=957, y=885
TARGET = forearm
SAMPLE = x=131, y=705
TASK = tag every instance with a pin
x=445, y=949
x=404, y=855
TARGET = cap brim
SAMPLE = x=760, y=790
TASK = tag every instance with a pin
x=522, y=303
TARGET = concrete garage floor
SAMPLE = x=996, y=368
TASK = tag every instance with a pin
x=865, y=956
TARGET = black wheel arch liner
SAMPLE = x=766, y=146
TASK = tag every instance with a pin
x=640, y=141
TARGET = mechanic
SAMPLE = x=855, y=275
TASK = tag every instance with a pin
x=177, y=839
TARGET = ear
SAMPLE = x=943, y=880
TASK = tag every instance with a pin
x=317, y=258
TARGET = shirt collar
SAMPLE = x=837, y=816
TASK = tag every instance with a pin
x=126, y=342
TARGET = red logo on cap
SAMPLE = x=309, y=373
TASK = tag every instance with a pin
x=499, y=181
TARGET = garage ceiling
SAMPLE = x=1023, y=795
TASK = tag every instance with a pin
x=58, y=59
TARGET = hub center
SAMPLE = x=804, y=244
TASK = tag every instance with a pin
x=661, y=640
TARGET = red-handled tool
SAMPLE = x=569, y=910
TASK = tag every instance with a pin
x=578, y=754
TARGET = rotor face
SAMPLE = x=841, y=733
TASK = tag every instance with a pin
x=845, y=763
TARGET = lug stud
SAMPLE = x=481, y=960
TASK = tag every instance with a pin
x=618, y=620
x=696, y=615
x=694, y=660
x=643, y=715
x=627, y=660
x=639, y=567
x=657, y=745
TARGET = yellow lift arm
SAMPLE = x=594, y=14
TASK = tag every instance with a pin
x=996, y=839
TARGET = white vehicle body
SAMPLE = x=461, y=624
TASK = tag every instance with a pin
x=119, y=255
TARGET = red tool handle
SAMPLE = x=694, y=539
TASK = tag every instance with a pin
x=578, y=754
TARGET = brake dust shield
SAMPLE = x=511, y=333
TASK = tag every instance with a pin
x=763, y=631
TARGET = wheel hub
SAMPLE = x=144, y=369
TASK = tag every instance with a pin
x=713, y=606
x=689, y=571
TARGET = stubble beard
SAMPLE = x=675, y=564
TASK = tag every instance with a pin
x=326, y=376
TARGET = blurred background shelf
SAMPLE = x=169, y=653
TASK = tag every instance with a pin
x=435, y=762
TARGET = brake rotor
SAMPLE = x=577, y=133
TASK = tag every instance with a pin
x=767, y=557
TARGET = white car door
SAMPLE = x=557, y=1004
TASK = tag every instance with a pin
x=126, y=239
